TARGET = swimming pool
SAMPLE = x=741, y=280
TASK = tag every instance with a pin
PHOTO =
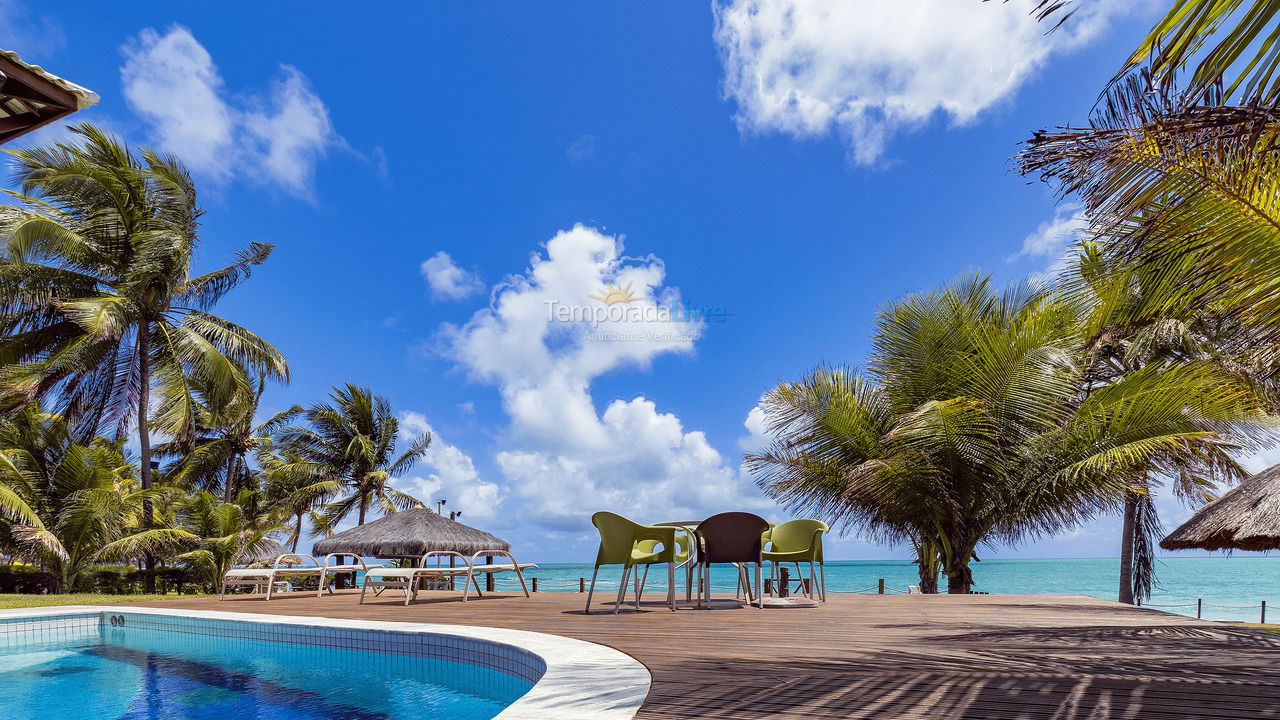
x=121, y=663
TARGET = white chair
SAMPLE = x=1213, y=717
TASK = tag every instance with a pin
x=284, y=570
x=409, y=580
x=333, y=569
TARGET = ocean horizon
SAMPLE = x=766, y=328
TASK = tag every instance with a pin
x=1230, y=588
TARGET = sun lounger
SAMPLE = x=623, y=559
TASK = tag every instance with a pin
x=333, y=569
x=284, y=569
x=409, y=580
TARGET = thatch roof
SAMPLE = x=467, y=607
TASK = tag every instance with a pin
x=409, y=534
x=1245, y=518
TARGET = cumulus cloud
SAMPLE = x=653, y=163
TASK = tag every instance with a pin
x=871, y=69
x=757, y=436
x=292, y=131
x=451, y=475
x=172, y=82
x=448, y=281
x=564, y=457
x=1053, y=239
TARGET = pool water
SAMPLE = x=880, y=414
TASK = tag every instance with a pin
x=140, y=673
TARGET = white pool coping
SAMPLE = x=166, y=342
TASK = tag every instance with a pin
x=583, y=680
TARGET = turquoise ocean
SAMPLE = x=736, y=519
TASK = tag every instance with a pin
x=1230, y=588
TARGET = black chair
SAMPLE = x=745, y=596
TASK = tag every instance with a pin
x=732, y=537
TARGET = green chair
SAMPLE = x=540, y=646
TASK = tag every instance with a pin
x=799, y=541
x=630, y=544
x=683, y=544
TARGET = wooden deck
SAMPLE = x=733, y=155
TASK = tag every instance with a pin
x=985, y=657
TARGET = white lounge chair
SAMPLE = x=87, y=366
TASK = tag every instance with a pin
x=283, y=570
x=333, y=569
x=409, y=580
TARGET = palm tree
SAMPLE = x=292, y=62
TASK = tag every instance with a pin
x=225, y=436
x=296, y=487
x=1181, y=194
x=353, y=440
x=230, y=533
x=974, y=425
x=85, y=499
x=1128, y=328
x=98, y=308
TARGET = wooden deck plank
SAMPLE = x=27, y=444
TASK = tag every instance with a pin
x=980, y=657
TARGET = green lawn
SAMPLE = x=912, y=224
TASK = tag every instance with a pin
x=9, y=601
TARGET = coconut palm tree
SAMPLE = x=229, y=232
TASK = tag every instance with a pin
x=98, y=307
x=85, y=498
x=1181, y=194
x=973, y=425
x=226, y=435
x=353, y=440
x=296, y=487
x=229, y=533
x=1127, y=328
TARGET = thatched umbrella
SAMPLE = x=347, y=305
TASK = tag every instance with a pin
x=1246, y=518
x=409, y=534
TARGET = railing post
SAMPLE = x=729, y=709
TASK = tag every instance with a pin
x=1263, y=619
x=488, y=577
x=1198, y=606
x=582, y=585
x=881, y=586
x=535, y=584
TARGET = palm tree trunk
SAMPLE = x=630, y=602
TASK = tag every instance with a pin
x=927, y=567
x=1126, y=548
x=228, y=487
x=959, y=577
x=297, y=534
x=144, y=443
x=958, y=582
x=364, y=506
x=929, y=582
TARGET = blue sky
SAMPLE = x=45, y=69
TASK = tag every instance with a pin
x=793, y=166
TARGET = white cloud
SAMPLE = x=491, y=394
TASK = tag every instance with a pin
x=172, y=83
x=1053, y=240
x=448, y=281
x=293, y=132
x=562, y=456
x=757, y=436
x=451, y=475
x=871, y=69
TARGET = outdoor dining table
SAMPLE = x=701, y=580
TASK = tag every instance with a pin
x=688, y=526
